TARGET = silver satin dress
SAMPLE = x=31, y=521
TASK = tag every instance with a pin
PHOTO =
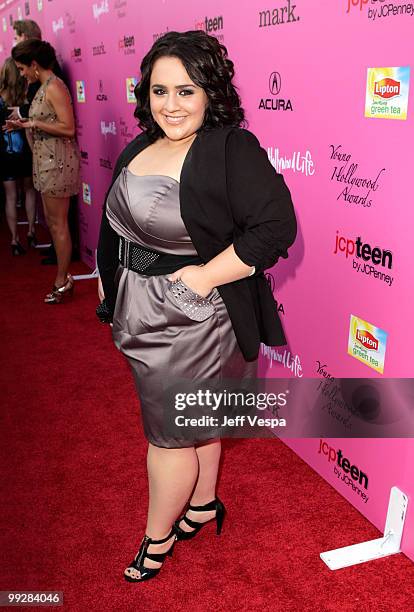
x=160, y=341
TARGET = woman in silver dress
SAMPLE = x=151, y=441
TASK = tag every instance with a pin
x=194, y=214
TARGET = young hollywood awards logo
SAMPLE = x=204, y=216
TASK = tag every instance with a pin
x=278, y=16
x=120, y=6
x=70, y=22
x=351, y=475
x=131, y=83
x=27, y=8
x=40, y=5
x=367, y=343
x=80, y=91
x=19, y=13
x=4, y=22
x=368, y=254
x=84, y=156
x=86, y=193
x=386, y=94
x=275, y=103
x=356, y=188
x=296, y=161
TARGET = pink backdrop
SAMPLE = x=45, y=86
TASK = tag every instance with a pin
x=307, y=63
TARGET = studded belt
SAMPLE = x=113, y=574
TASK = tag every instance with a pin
x=152, y=263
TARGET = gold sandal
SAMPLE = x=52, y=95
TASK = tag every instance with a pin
x=58, y=294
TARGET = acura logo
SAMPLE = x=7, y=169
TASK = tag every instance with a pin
x=275, y=83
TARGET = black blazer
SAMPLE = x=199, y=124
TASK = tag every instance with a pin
x=229, y=193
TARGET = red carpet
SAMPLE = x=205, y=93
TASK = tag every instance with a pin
x=74, y=492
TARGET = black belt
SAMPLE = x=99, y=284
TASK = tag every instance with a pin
x=152, y=263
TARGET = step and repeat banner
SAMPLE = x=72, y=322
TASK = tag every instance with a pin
x=326, y=88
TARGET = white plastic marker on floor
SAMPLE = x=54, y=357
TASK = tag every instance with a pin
x=94, y=274
x=389, y=544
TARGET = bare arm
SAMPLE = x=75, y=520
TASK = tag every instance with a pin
x=58, y=97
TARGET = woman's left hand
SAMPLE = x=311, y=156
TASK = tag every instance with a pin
x=193, y=277
x=16, y=124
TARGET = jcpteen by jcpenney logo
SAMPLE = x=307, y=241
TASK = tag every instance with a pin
x=351, y=475
x=377, y=9
x=365, y=258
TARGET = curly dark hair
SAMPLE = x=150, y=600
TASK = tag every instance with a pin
x=208, y=66
x=36, y=50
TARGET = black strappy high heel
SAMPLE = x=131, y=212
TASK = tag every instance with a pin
x=216, y=505
x=137, y=564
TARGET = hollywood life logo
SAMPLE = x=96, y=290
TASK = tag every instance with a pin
x=80, y=91
x=4, y=21
x=86, y=193
x=19, y=13
x=57, y=25
x=99, y=49
x=285, y=358
x=70, y=22
x=275, y=85
x=358, y=480
x=386, y=94
x=211, y=25
x=366, y=253
x=84, y=155
x=296, y=161
x=120, y=7
x=108, y=128
x=131, y=83
x=101, y=96
x=127, y=43
x=347, y=174
x=278, y=16
x=39, y=5
x=100, y=9
x=76, y=54
x=271, y=282
x=367, y=343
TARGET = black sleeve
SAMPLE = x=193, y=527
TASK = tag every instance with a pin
x=107, y=259
x=24, y=110
x=260, y=202
x=108, y=242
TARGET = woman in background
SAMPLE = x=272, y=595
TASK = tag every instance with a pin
x=15, y=156
x=51, y=126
